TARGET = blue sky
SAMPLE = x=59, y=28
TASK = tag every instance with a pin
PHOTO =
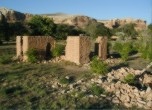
x=99, y=9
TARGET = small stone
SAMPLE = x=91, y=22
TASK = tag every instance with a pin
x=136, y=94
x=128, y=104
x=117, y=93
x=67, y=77
x=71, y=86
x=91, y=96
x=140, y=105
x=136, y=90
x=63, y=91
x=142, y=93
x=148, y=90
x=53, y=86
x=115, y=100
x=142, y=102
x=102, y=95
x=79, y=82
x=149, y=104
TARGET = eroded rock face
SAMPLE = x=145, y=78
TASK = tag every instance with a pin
x=78, y=21
x=14, y=16
x=139, y=24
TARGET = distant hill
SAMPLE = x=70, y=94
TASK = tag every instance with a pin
x=74, y=20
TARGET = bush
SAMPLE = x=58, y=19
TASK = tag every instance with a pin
x=123, y=49
x=145, y=44
x=66, y=80
x=97, y=90
x=98, y=66
x=130, y=79
x=5, y=59
x=146, y=51
x=58, y=50
x=32, y=56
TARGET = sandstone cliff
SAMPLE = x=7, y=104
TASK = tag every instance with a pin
x=13, y=16
x=74, y=20
x=139, y=24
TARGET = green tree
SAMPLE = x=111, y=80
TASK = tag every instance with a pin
x=96, y=29
x=4, y=29
x=63, y=30
x=17, y=28
x=41, y=26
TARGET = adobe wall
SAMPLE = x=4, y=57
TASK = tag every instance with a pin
x=36, y=42
x=101, y=42
x=78, y=49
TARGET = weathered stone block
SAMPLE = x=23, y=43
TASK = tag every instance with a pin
x=78, y=49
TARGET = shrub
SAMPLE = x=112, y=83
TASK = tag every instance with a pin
x=58, y=50
x=98, y=66
x=145, y=44
x=97, y=90
x=146, y=51
x=130, y=79
x=66, y=80
x=5, y=59
x=32, y=56
x=123, y=49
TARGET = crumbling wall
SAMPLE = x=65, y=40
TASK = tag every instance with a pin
x=101, y=47
x=40, y=43
x=78, y=49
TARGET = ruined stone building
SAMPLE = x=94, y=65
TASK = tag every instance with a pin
x=43, y=44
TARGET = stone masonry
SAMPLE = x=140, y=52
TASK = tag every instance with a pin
x=101, y=47
x=78, y=49
x=40, y=43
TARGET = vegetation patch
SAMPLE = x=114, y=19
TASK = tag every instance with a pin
x=130, y=79
x=32, y=55
x=98, y=66
x=97, y=90
x=5, y=59
x=123, y=48
x=58, y=50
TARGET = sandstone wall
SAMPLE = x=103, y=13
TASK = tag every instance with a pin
x=18, y=46
x=102, y=47
x=78, y=49
x=33, y=42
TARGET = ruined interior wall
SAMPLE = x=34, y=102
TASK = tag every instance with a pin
x=78, y=49
x=72, y=49
x=40, y=42
x=102, y=53
x=85, y=48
